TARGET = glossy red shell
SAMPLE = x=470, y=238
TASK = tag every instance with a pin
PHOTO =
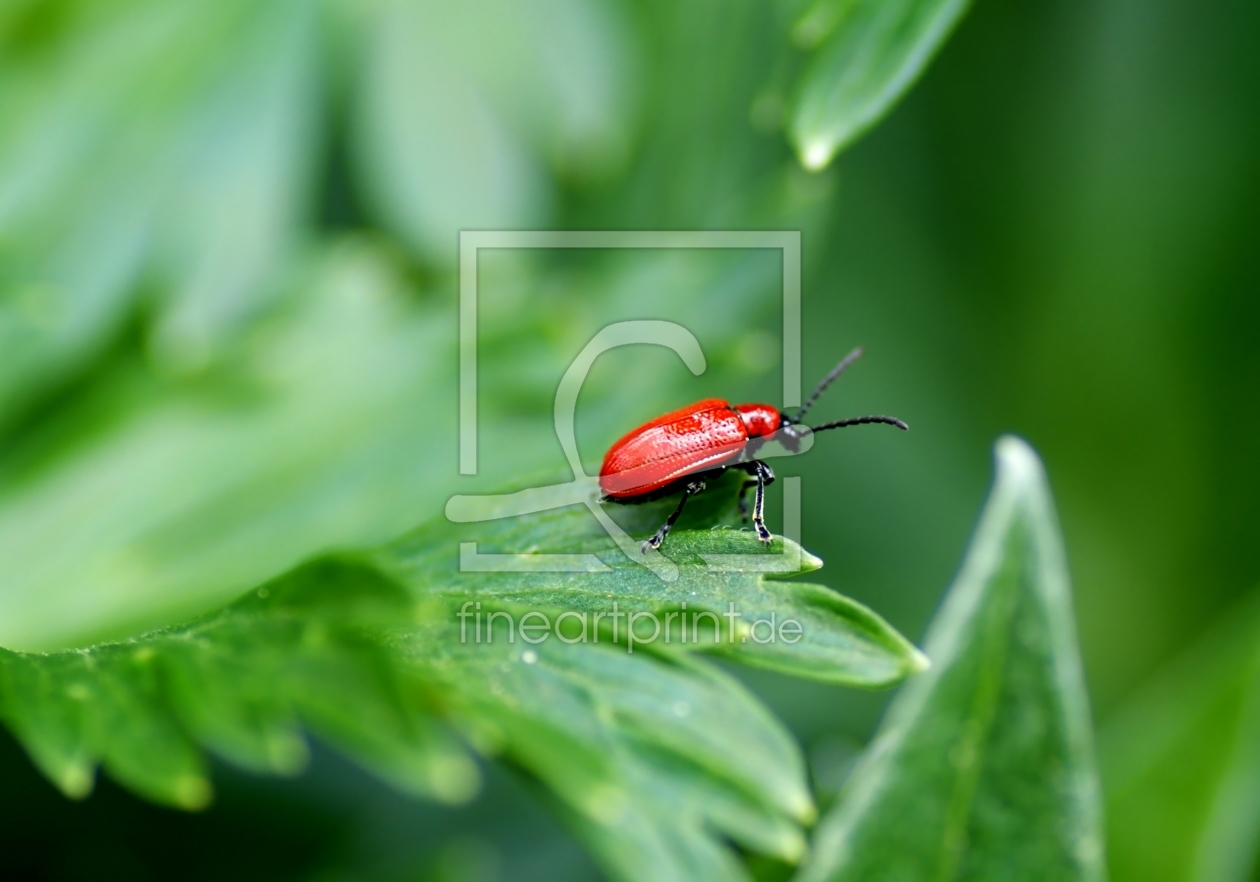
x=705, y=435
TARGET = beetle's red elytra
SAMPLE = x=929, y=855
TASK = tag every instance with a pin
x=676, y=452
x=702, y=436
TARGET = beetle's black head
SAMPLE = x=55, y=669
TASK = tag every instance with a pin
x=789, y=433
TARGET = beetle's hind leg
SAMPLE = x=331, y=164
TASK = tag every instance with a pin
x=692, y=488
x=748, y=484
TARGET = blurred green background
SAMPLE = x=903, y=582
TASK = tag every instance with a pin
x=228, y=340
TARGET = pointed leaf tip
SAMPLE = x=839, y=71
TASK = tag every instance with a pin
x=816, y=155
x=76, y=781
x=1017, y=462
x=192, y=793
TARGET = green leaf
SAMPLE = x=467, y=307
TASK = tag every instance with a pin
x=148, y=144
x=841, y=641
x=1181, y=762
x=873, y=52
x=655, y=756
x=983, y=768
x=457, y=125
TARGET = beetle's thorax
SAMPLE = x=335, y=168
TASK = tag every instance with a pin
x=761, y=420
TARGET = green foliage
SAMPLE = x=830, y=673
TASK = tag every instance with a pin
x=227, y=345
x=181, y=492
x=983, y=768
x=1180, y=761
x=870, y=52
x=654, y=756
x=458, y=124
x=103, y=118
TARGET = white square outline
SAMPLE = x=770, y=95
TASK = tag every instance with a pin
x=472, y=241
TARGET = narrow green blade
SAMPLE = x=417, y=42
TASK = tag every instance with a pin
x=983, y=768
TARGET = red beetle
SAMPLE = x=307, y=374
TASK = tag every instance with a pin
x=676, y=452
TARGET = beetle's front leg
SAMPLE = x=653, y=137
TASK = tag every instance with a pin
x=765, y=477
x=762, y=477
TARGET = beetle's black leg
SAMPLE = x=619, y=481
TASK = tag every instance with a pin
x=765, y=477
x=659, y=537
x=743, y=498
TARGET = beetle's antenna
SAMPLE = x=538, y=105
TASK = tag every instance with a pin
x=861, y=421
x=827, y=381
